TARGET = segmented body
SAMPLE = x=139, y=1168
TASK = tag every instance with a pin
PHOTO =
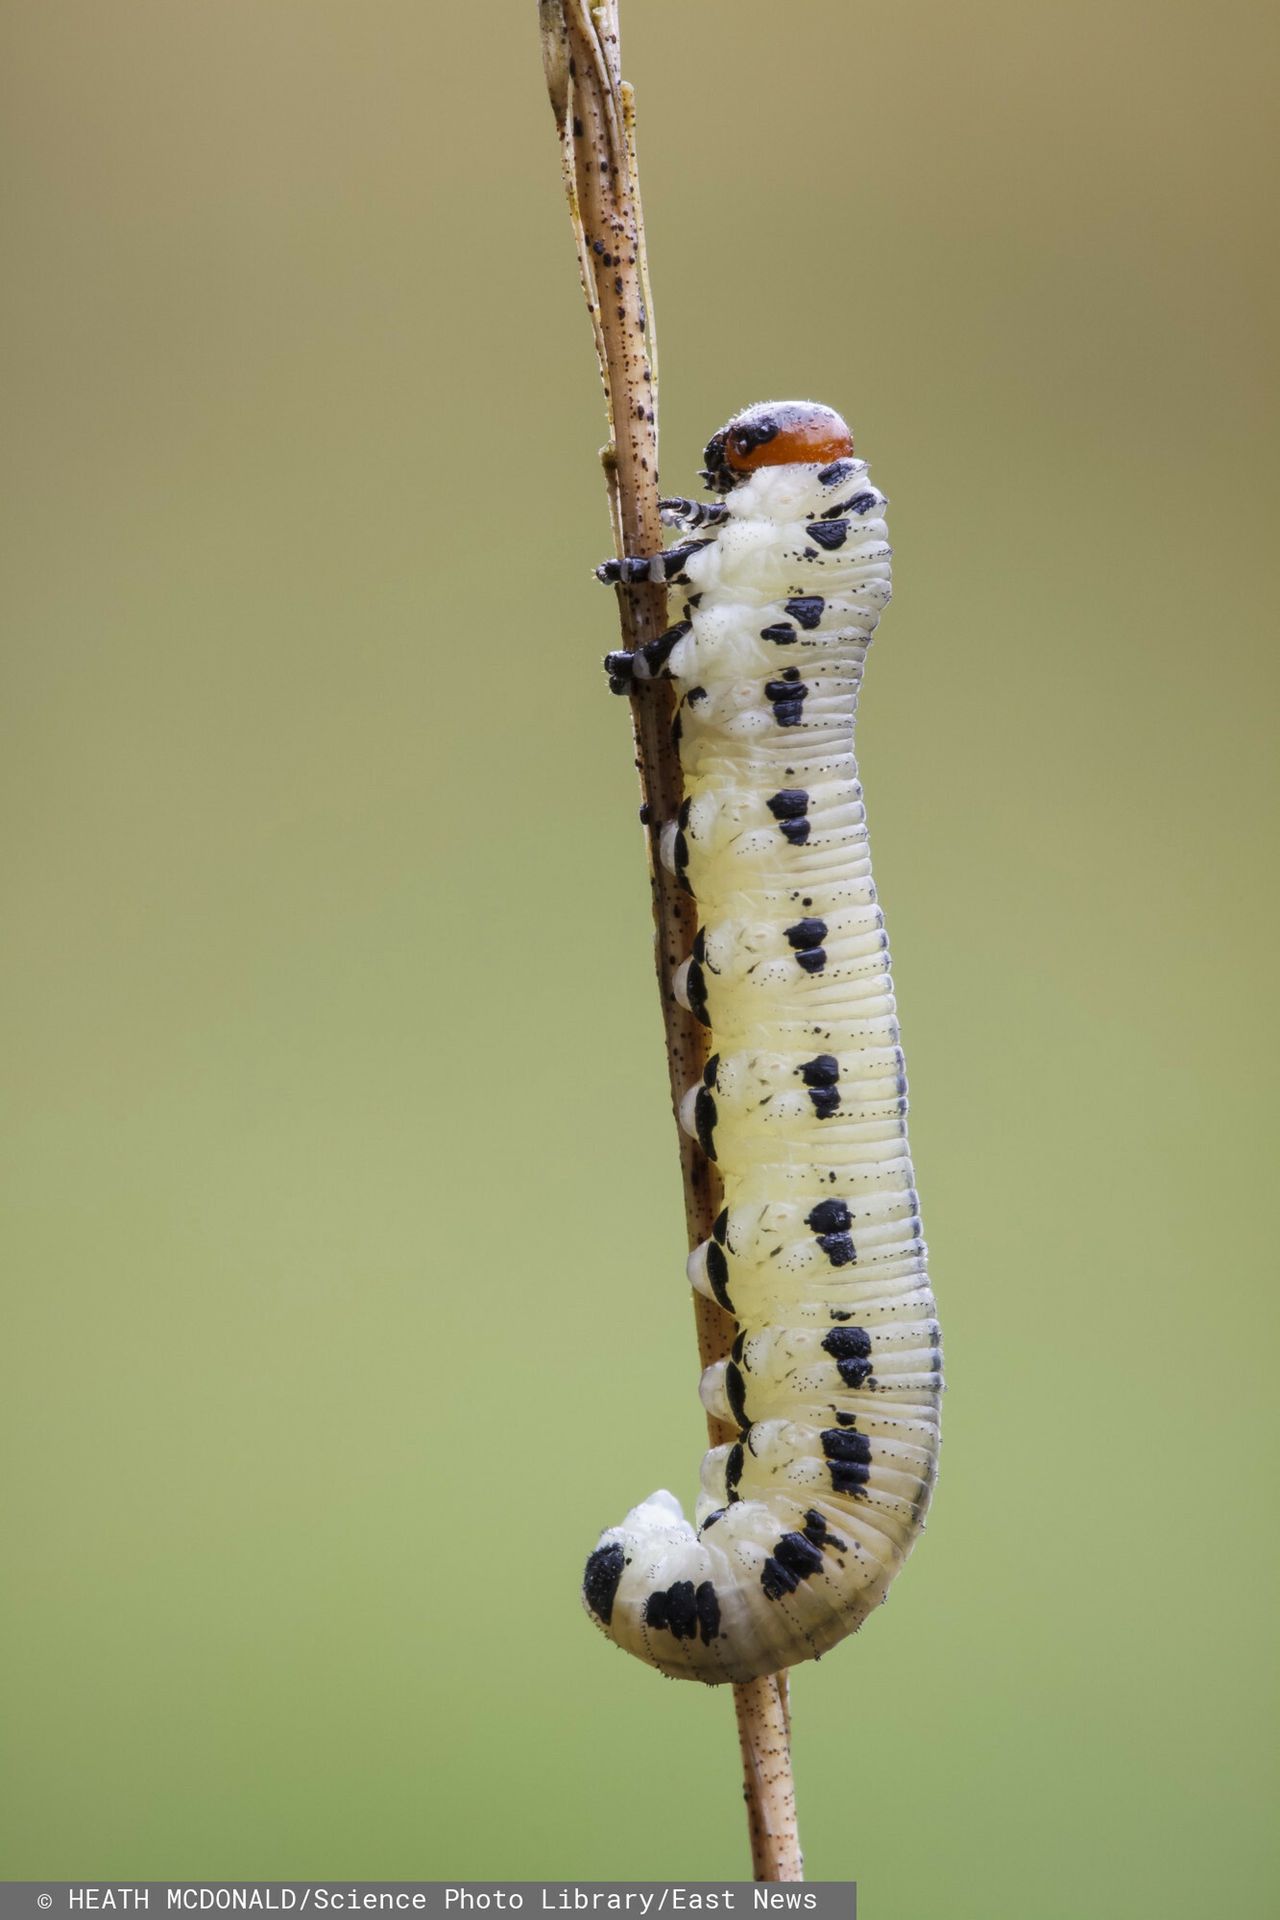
x=835, y=1375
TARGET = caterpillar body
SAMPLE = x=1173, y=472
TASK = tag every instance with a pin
x=835, y=1374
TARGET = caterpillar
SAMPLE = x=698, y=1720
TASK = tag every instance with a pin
x=834, y=1376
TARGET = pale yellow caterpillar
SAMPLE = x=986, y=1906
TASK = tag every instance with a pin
x=835, y=1374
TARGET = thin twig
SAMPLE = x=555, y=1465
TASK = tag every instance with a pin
x=595, y=112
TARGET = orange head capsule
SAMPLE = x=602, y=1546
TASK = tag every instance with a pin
x=777, y=433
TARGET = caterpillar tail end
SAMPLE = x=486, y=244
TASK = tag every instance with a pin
x=629, y=1590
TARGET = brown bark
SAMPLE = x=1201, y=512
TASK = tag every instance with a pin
x=594, y=111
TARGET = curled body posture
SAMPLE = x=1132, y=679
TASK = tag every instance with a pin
x=834, y=1376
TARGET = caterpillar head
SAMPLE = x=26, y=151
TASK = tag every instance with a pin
x=776, y=433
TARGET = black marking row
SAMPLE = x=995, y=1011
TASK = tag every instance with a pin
x=798, y=1556
x=685, y=1611
x=806, y=611
x=805, y=939
x=789, y=808
x=787, y=696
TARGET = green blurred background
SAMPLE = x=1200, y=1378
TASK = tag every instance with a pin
x=343, y=1249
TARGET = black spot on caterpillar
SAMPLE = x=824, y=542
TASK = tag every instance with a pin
x=849, y=1348
x=718, y=1275
x=806, y=937
x=600, y=1582
x=793, y=1559
x=695, y=977
x=807, y=610
x=829, y=1216
x=831, y=1221
x=787, y=696
x=806, y=933
x=817, y=1251
x=685, y=1610
x=705, y=1115
x=817, y=1530
x=648, y=661
x=789, y=808
x=696, y=988
x=820, y=1077
x=849, y=1458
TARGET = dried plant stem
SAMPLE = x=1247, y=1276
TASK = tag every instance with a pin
x=594, y=111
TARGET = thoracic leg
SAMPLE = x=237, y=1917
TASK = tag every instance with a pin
x=679, y=512
x=646, y=663
x=657, y=568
